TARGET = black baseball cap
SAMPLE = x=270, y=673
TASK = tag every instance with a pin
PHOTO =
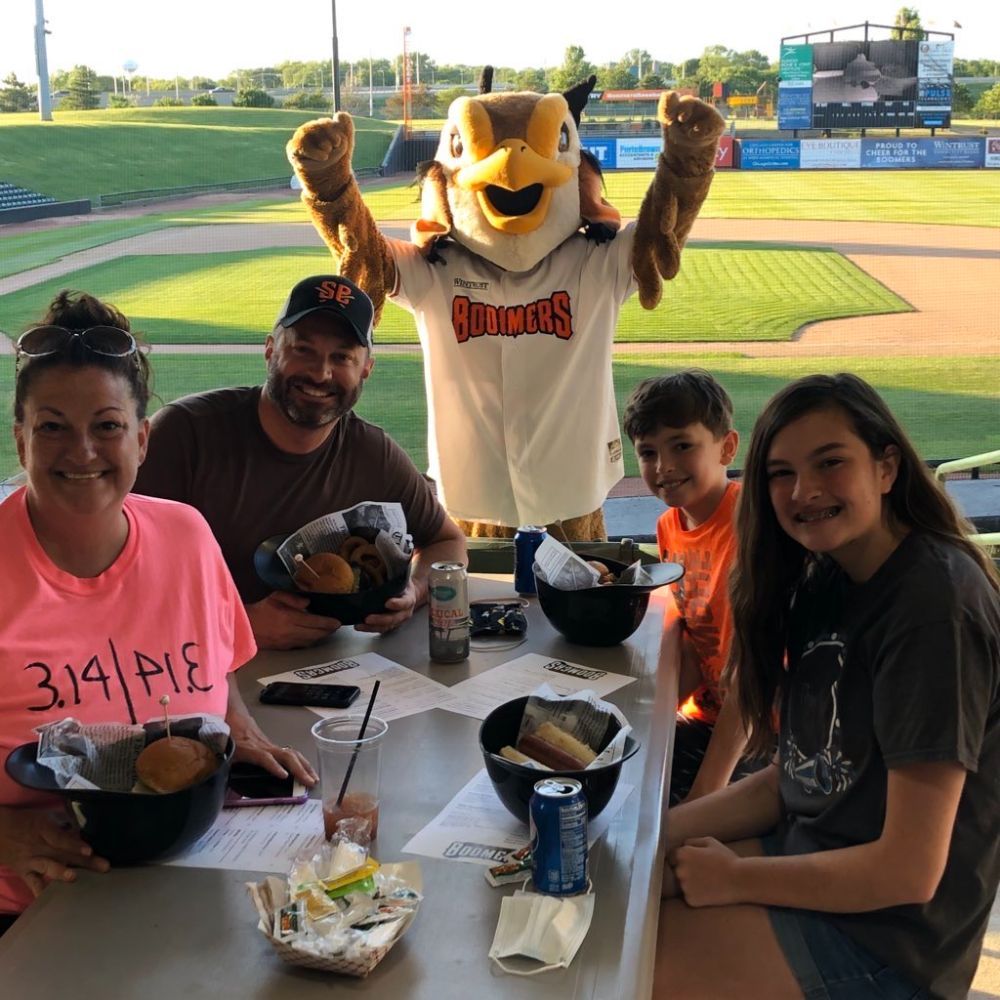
x=334, y=294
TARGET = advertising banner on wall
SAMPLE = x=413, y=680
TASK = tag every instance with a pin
x=603, y=150
x=992, y=151
x=637, y=154
x=830, y=154
x=724, y=155
x=765, y=154
x=934, y=69
x=896, y=154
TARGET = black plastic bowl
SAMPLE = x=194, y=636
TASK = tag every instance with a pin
x=515, y=783
x=129, y=828
x=348, y=609
x=603, y=616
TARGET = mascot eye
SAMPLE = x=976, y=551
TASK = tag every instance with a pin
x=563, y=139
x=456, y=145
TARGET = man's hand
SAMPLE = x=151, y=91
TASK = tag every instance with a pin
x=254, y=747
x=41, y=848
x=705, y=870
x=397, y=610
x=280, y=621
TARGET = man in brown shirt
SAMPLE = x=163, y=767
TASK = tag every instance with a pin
x=263, y=460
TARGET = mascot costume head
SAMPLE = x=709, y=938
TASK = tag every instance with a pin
x=512, y=199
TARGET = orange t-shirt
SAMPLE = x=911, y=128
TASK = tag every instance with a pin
x=163, y=618
x=701, y=596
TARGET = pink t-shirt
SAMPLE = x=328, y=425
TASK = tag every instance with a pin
x=164, y=618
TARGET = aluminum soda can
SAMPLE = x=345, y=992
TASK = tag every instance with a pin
x=557, y=816
x=450, y=625
x=526, y=542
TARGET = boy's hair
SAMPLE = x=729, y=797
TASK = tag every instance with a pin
x=691, y=396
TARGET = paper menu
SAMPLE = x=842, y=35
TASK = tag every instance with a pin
x=479, y=695
x=476, y=827
x=402, y=691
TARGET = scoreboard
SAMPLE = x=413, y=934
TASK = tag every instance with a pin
x=866, y=84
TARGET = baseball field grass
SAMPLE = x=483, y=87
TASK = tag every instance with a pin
x=723, y=293
x=85, y=154
x=944, y=403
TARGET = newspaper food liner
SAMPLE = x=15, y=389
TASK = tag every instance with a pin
x=562, y=568
x=581, y=714
x=385, y=523
x=354, y=954
x=103, y=755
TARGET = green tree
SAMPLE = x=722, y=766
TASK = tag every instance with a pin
x=83, y=94
x=907, y=25
x=168, y=102
x=120, y=101
x=308, y=100
x=204, y=101
x=573, y=70
x=615, y=77
x=423, y=103
x=988, y=105
x=253, y=97
x=961, y=100
x=445, y=97
x=531, y=79
x=15, y=95
x=652, y=81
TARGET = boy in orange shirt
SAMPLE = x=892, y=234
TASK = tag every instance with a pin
x=682, y=428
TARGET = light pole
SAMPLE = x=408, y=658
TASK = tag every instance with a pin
x=336, y=59
x=42, y=64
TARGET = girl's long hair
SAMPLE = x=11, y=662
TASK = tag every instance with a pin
x=770, y=564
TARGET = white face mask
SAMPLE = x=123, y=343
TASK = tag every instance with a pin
x=547, y=928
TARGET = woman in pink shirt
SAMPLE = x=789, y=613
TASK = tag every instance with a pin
x=110, y=600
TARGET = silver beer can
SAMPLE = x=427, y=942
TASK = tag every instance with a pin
x=448, y=600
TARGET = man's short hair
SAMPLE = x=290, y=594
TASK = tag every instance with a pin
x=691, y=396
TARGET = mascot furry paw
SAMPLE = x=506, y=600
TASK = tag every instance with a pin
x=515, y=274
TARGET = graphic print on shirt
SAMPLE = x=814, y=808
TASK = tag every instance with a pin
x=552, y=315
x=114, y=675
x=812, y=755
x=691, y=594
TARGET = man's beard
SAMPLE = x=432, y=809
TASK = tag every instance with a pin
x=311, y=414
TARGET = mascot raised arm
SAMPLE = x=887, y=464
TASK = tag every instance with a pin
x=515, y=274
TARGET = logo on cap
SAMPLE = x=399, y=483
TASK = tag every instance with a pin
x=336, y=291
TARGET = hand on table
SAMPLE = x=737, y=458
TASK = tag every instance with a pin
x=705, y=872
x=281, y=621
x=43, y=848
x=253, y=747
x=397, y=610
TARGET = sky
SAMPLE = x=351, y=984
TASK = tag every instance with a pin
x=214, y=37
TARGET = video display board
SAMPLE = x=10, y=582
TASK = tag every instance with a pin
x=886, y=83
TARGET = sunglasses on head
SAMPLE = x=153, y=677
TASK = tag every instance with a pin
x=44, y=341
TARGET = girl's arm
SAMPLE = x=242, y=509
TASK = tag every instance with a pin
x=904, y=865
x=747, y=808
x=725, y=747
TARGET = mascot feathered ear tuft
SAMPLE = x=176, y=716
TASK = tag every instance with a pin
x=576, y=97
x=486, y=80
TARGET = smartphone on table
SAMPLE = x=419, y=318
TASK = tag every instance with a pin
x=315, y=695
x=251, y=785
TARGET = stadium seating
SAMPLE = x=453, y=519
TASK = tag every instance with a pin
x=12, y=196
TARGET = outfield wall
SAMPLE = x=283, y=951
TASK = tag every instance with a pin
x=641, y=153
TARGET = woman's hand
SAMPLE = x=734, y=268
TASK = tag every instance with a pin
x=43, y=848
x=706, y=872
x=253, y=747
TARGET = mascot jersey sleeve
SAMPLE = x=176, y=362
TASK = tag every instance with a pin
x=517, y=370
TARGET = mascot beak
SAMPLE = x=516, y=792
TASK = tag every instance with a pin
x=513, y=179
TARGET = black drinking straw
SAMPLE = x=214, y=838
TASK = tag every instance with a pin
x=357, y=749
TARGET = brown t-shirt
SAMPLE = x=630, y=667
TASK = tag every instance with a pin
x=209, y=450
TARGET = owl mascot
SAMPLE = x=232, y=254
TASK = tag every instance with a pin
x=515, y=274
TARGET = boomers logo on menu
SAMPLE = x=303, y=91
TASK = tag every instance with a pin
x=552, y=315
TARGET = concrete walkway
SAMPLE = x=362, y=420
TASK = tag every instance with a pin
x=949, y=274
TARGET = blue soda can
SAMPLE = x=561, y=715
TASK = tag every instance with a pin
x=557, y=815
x=526, y=542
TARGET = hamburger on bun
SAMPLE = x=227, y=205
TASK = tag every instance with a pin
x=325, y=573
x=175, y=762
